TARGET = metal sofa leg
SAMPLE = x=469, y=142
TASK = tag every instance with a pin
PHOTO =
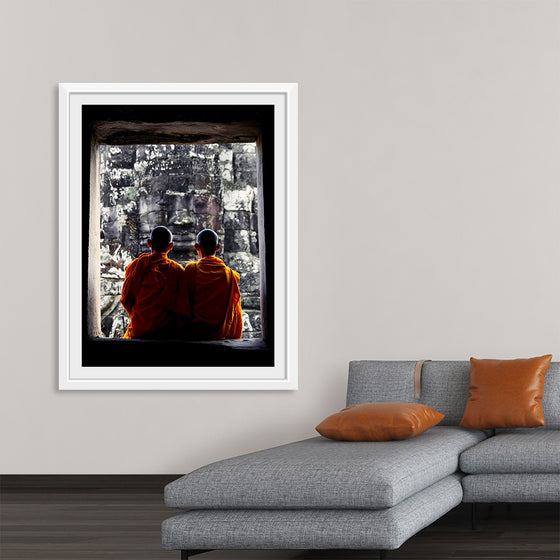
x=382, y=555
x=473, y=517
x=186, y=554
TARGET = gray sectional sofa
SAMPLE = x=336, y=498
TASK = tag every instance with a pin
x=326, y=494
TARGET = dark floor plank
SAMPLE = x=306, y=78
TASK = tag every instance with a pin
x=93, y=524
x=65, y=482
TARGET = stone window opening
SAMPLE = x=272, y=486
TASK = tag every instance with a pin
x=118, y=141
x=186, y=187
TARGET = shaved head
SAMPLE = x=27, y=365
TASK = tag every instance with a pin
x=160, y=238
x=208, y=240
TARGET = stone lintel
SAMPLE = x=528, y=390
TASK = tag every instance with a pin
x=124, y=132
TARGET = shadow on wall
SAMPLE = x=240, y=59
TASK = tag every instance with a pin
x=186, y=187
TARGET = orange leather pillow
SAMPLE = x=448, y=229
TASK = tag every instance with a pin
x=506, y=393
x=383, y=421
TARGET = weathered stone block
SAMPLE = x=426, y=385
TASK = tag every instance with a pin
x=255, y=318
x=122, y=157
x=238, y=219
x=251, y=324
x=114, y=325
x=254, y=224
x=250, y=302
x=202, y=173
x=241, y=199
x=249, y=283
x=110, y=288
x=178, y=181
x=203, y=221
x=183, y=242
x=244, y=148
x=144, y=230
x=174, y=200
x=242, y=262
x=181, y=219
x=108, y=303
x=155, y=216
x=227, y=176
x=237, y=240
x=244, y=169
x=254, y=243
x=181, y=235
x=110, y=225
x=113, y=182
x=155, y=184
x=206, y=204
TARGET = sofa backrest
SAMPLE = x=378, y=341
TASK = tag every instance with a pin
x=445, y=387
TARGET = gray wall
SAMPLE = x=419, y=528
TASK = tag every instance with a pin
x=429, y=203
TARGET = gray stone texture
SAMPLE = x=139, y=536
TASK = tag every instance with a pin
x=186, y=187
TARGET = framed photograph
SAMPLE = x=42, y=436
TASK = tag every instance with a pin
x=136, y=160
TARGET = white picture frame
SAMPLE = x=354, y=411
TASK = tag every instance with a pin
x=282, y=372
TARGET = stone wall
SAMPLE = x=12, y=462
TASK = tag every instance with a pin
x=186, y=188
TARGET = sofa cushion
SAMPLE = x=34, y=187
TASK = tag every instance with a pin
x=536, y=451
x=379, y=422
x=317, y=529
x=506, y=393
x=321, y=473
x=489, y=488
x=445, y=387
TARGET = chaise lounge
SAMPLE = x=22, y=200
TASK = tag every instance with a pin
x=324, y=494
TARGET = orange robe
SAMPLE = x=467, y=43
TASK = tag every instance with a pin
x=151, y=296
x=215, y=301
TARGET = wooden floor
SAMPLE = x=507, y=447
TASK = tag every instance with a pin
x=91, y=524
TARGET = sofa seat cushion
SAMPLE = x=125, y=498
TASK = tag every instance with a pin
x=491, y=488
x=312, y=529
x=321, y=473
x=536, y=451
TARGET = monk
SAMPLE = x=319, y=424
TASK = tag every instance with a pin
x=213, y=293
x=151, y=291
